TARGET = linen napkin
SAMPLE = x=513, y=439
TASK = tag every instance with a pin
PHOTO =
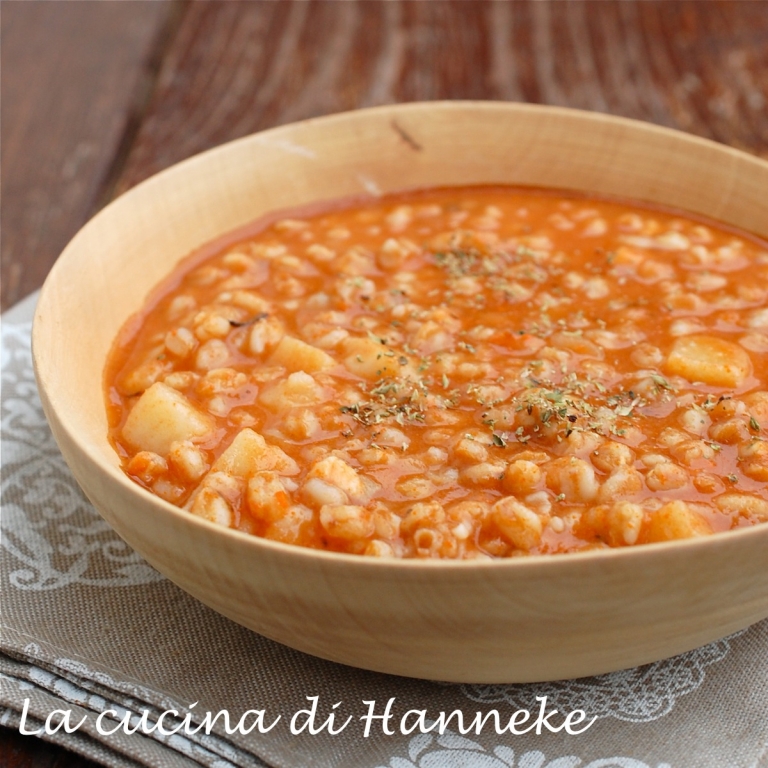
x=91, y=630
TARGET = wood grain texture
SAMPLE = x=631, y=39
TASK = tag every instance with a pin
x=236, y=68
x=74, y=77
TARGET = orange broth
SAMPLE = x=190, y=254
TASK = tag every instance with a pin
x=457, y=373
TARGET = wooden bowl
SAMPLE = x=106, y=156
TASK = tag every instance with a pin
x=528, y=619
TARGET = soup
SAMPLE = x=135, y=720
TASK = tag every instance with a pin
x=457, y=373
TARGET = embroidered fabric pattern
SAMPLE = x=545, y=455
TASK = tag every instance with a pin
x=636, y=695
x=453, y=751
x=48, y=524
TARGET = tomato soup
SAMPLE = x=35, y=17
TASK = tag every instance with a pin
x=457, y=373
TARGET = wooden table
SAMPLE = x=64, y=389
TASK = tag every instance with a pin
x=97, y=96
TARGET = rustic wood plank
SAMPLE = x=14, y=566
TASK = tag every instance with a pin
x=73, y=77
x=715, y=63
x=236, y=68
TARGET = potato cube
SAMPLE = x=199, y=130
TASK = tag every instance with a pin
x=297, y=355
x=249, y=453
x=162, y=416
x=709, y=360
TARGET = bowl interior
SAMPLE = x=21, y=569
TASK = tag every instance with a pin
x=109, y=268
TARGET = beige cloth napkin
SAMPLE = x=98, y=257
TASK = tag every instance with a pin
x=87, y=626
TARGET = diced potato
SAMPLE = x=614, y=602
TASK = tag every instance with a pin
x=162, y=416
x=373, y=360
x=709, y=360
x=249, y=453
x=296, y=355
